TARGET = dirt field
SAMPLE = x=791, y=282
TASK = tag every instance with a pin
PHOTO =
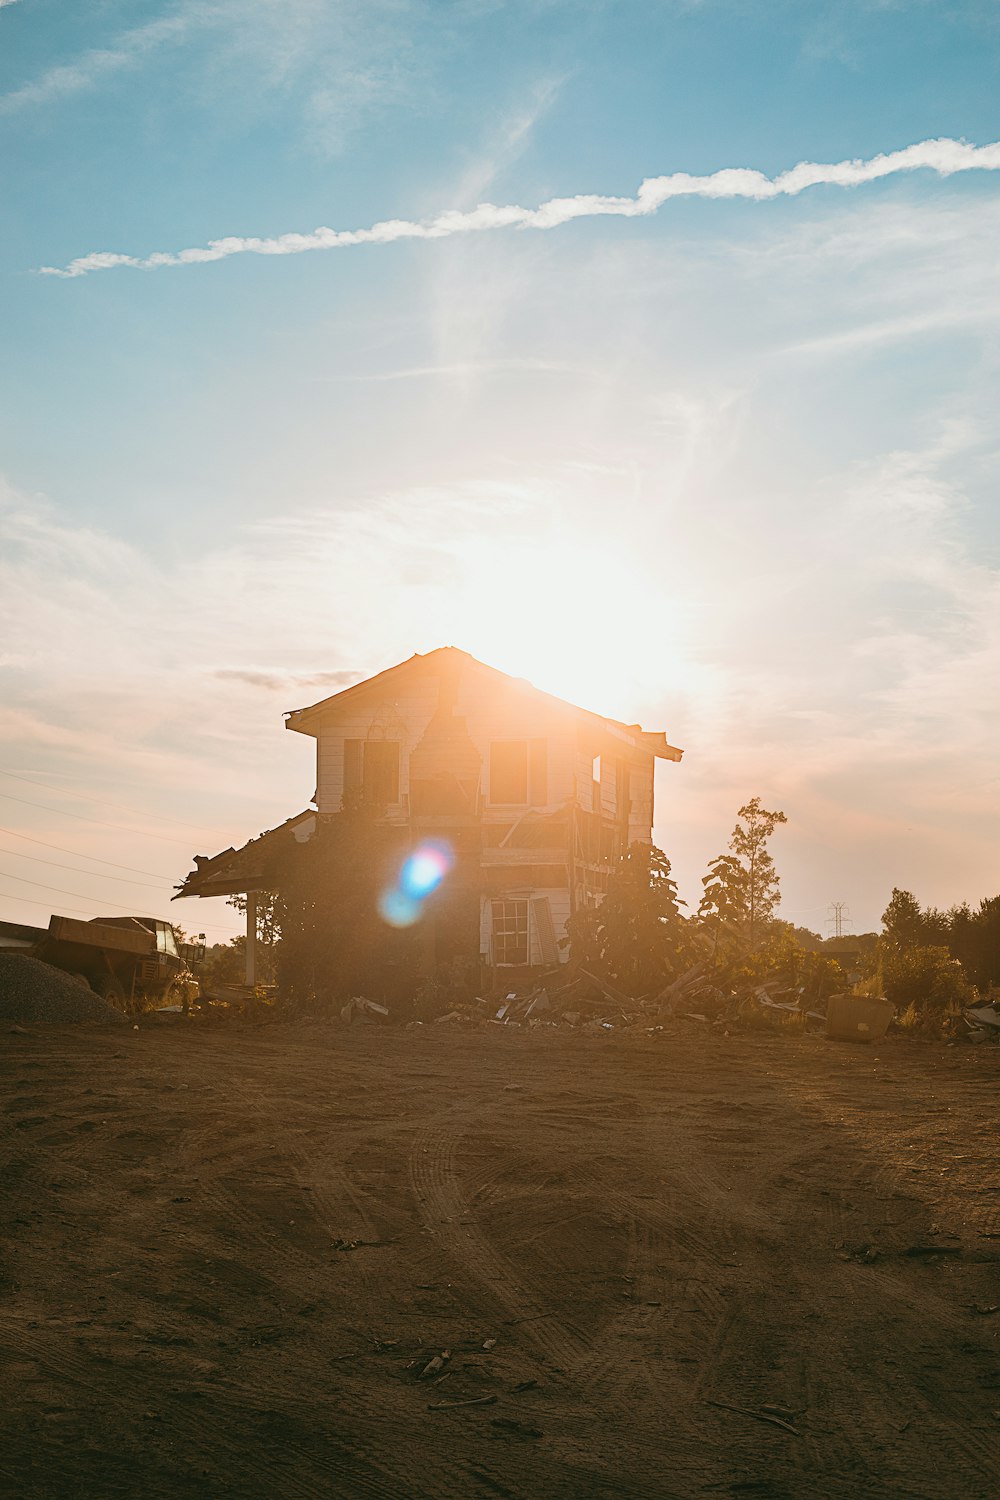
x=678, y=1265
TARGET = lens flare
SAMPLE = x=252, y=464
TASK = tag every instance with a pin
x=397, y=909
x=425, y=869
x=401, y=904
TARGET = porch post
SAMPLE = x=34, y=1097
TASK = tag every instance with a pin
x=251, y=951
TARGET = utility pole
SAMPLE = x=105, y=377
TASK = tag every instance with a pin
x=839, y=914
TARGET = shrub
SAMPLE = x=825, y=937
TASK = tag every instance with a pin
x=927, y=979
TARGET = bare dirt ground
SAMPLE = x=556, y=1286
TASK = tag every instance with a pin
x=678, y=1265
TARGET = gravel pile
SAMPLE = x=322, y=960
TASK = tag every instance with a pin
x=33, y=991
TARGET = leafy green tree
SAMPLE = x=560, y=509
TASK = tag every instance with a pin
x=905, y=924
x=723, y=906
x=741, y=889
x=974, y=939
x=749, y=844
x=638, y=936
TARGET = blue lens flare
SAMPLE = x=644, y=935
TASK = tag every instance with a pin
x=425, y=869
x=401, y=904
x=397, y=909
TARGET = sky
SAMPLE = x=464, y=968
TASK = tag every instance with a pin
x=645, y=350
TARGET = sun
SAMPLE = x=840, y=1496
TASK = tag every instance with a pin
x=576, y=621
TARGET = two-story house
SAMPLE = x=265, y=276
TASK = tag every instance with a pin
x=537, y=798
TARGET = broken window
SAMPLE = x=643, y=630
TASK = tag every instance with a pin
x=372, y=765
x=510, y=932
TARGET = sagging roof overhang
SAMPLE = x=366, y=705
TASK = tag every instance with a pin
x=237, y=871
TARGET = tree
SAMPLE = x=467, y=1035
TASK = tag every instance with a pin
x=974, y=939
x=268, y=929
x=741, y=889
x=906, y=925
x=723, y=905
x=749, y=844
x=637, y=937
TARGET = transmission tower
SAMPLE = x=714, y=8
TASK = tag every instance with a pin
x=839, y=915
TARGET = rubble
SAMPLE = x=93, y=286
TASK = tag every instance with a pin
x=573, y=998
x=361, y=1012
x=585, y=1002
x=983, y=1022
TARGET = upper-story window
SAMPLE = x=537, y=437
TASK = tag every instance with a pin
x=372, y=766
x=518, y=772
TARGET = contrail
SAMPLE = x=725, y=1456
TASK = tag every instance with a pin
x=943, y=156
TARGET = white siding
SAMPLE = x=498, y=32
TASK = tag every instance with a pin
x=640, y=822
x=404, y=719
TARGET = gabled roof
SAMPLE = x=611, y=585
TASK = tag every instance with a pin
x=448, y=660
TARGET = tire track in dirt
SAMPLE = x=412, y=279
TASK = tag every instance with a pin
x=592, y=1369
x=216, y=1425
x=737, y=1334
x=329, y=1188
x=235, y=1224
x=444, y=1207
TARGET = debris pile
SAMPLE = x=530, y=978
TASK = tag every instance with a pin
x=586, y=1002
x=577, y=999
x=33, y=991
x=591, y=1004
x=361, y=1012
x=983, y=1022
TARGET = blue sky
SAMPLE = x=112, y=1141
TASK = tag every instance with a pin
x=728, y=466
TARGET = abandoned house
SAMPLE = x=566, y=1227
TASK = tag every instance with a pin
x=537, y=799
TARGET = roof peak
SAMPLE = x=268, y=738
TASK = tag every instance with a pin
x=302, y=720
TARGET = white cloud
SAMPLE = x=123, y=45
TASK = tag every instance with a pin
x=98, y=63
x=945, y=157
x=333, y=64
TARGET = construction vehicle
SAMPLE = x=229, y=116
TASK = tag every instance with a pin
x=133, y=962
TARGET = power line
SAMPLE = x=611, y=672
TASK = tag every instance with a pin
x=95, y=874
x=64, y=812
x=103, y=802
x=79, y=912
x=28, y=901
x=61, y=849
x=61, y=890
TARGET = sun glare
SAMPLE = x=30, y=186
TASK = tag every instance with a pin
x=575, y=621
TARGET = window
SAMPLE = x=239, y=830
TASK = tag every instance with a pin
x=510, y=932
x=509, y=771
x=519, y=772
x=374, y=766
x=381, y=772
